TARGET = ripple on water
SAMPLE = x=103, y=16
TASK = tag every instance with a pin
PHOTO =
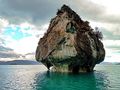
x=36, y=78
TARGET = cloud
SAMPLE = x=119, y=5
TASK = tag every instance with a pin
x=41, y=11
x=2, y=48
x=112, y=50
x=2, y=41
x=87, y=8
x=112, y=55
x=114, y=19
x=94, y=11
x=110, y=31
x=36, y=11
x=26, y=44
x=6, y=52
x=110, y=35
x=3, y=24
x=12, y=48
x=111, y=43
x=37, y=31
x=30, y=56
x=8, y=55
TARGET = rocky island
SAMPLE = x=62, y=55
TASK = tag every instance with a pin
x=70, y=44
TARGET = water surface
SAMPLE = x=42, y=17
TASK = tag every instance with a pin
x=36, y=77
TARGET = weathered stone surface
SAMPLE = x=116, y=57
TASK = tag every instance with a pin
x=70, y=44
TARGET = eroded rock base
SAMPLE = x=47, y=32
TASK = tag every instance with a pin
x=76, y=69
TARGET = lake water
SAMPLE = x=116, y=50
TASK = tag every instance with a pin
x=35, y=77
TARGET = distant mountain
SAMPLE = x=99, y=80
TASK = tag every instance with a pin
x=19, y=62
x=117, y=63
x=106, y=63
x=110, y=63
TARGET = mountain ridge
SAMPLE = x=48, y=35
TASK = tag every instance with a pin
x=19, y=62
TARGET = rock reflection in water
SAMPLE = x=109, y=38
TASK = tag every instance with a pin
x=67, y=81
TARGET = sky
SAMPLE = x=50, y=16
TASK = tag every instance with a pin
x=24, y=22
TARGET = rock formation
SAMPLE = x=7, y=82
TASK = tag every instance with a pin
x=70, y=44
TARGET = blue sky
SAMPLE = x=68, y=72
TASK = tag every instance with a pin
x=24, y=22
x=16, y=32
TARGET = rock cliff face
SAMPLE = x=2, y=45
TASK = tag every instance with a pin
x=70, y=44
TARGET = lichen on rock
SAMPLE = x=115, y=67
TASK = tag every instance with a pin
x=70, y=44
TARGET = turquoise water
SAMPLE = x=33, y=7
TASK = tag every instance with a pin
x=35, y=77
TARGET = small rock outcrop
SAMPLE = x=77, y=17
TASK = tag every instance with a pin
x=70, y=44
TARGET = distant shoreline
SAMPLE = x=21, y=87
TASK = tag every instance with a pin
x=33, y=62
x=20, y=62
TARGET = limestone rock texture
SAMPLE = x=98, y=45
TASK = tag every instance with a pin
x=70, y=44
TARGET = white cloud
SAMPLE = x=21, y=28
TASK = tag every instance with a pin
x=30, y=56
x=33, y=30
x=26, y=44
x=6, y=59
x=112, y=6
x=7, y=53
x=112, y=48
x=111, y=43
x=114, y=57
x=3, y=23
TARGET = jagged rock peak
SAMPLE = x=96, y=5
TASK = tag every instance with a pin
x=70, y=12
